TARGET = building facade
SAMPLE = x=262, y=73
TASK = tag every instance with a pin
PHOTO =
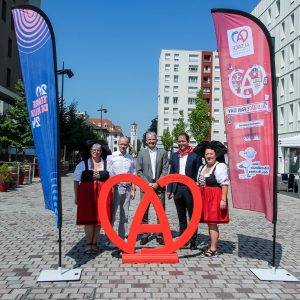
x=181, y=74
x=133, y=136
x=10, y=71
x=282, y=18
x=108, y=130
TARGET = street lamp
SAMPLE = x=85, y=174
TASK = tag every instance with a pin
x=102, y=110
x=62, y=72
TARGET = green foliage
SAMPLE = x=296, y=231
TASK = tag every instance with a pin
x=200, y=119
x=180, y=127
x=167, y=139
x=15, y=127
x=153, y=128
x=5, y=175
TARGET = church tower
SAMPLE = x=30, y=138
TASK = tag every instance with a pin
x=133, y=136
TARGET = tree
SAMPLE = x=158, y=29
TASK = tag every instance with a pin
x=200, y=119
x=153, y=127
x=167, y=139
x=180, y=127
x=15, y=127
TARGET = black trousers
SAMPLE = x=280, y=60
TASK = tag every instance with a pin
x=184, y=204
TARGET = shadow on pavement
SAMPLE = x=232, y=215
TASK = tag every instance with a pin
x=77, y=251
x=258, y=248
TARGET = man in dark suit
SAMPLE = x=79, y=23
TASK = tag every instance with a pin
x=184, y=162
x=152, y=164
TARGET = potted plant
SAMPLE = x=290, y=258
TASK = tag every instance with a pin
x=5, y=177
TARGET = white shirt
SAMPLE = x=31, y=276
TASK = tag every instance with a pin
x=153, y=153
x=182, y=163
x=81, y=167
x=117, y=163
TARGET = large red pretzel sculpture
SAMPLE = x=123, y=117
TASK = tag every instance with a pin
x=167, y=252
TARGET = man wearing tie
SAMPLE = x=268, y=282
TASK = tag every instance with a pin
x=187, y=163
x=152, y=164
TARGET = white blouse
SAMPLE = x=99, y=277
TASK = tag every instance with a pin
x=221, y=173
x=81, y=167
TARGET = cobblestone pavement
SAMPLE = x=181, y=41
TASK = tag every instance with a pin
x=28, y=245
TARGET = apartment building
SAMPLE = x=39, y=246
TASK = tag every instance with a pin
x=282, y=18
x=181, y=74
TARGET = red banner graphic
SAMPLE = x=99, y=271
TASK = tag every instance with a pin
x=245, y=62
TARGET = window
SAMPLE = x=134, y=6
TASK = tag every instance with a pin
x=12, y=25
x=216, y=132
x=190, y=109
x=291, y=85
x=9, y=50
x=115, y=142
x=291, y=113
x=175, y=100
x=292, y=23
x=176, y=67
x=175, y=120
x=277, y=8
x=167, y=89
x=166, y=100
x=193, y=57
x=193, y=79
x=216, y=88
x=166, y=110
x=217, y=79
x=191, y=101
x=282, y=31
x=167, y=67
x=176, y=56
x=3, y=10
x=175, y=89
x=193, y=68
x=206, y=90
x=175, y=111
x=281, y=116
x=166, y=121
x=8, y=77
x=217, y=68
x=216, y=111
x=281, y=87
x=167, y=78
x=192, y=90
x=282, y=63
x=216, y=100
x=167, y=56
x=207, y=58
x=207, y=69
x=206, y=79
x=269, y=16
x=175, y=78
x=291, y=53
x=216, y=122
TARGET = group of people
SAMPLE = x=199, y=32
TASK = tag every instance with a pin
x=151, y=165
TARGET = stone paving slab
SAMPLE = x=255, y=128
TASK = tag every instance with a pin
x=28, y=245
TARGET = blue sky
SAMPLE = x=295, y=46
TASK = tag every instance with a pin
x=113, y=48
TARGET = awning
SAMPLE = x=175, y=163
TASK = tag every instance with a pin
x=293, y=141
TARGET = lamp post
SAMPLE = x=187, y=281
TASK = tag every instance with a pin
x=62, y=72
x=102, y=110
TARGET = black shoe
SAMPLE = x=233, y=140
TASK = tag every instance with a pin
x=144, y=241
x=160, y=240
x=193, y=246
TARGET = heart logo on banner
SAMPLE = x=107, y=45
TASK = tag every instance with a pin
x=150, y=197
x=247, y=84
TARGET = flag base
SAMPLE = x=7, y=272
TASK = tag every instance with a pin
x=273, y=274
x=60, y=275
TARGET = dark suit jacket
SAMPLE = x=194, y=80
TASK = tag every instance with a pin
x=143, y=164
x=193, y=163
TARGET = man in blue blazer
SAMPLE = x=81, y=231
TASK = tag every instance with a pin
x=184, y=162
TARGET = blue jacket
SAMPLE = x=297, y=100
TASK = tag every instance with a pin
x=193, y=163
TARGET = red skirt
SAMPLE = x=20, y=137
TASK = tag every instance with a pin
x=88, y=203
x=211, y=211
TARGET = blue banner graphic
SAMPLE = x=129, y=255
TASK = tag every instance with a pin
x=36, y=46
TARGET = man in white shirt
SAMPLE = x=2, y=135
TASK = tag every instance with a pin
x=120, y=162
x=152, y=164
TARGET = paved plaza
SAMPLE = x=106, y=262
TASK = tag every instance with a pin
x=28, y=245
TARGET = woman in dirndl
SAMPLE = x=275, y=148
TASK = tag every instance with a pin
x=89, y=176
x=213, y=183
